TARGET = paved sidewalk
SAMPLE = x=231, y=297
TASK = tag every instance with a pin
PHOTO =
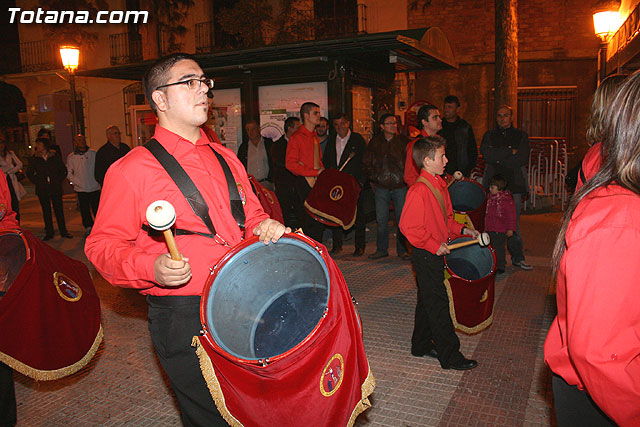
x=124, y=385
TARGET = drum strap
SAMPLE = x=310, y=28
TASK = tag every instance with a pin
x=437, y=194
x=191, y=192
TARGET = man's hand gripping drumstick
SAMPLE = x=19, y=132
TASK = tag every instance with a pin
x=171, y=269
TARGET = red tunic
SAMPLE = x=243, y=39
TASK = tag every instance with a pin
x=411, y=170
x=299, y=160
x=7, y=215
x=594, y=342
x=125, y=254
x=590, y=164
x=422, y=222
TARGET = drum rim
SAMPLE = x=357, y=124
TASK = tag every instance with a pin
x=206, y=332
x=493, y=265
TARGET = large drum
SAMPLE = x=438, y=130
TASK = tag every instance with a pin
x=49, y=309
x=469, y=201
x=281, y=342
x=470, y=283
x=333, y=200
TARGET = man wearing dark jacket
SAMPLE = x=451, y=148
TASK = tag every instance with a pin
x=383, y=163
x=505, y=150
x=348, y=147
x=47, y=172
x=461, y=150
x=106, y=155
x=284, y=180
x=255, y=155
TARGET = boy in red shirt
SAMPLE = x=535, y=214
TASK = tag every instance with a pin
x=427, y=221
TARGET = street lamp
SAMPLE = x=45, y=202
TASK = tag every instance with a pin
x=70, y=57
x=604, y=24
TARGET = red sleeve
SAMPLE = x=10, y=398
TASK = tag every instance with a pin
x=111, y=246
x=411, y=172
x=603, y=339
x=414, y=222
x=7, y=215
x=297, y=153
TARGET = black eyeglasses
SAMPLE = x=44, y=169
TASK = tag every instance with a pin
x=390, y=123
x=192, y=84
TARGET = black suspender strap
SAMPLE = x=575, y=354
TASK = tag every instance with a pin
x=189, y=189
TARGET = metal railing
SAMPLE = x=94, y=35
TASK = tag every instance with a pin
x=125, y=49
x=39, y=56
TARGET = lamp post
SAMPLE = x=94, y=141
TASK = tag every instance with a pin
x=604, y=24
x=70, y=57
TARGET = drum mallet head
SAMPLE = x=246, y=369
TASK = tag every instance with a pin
x=484, y=240
x=161, y=216
x=457, y=176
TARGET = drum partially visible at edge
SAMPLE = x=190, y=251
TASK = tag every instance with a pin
x=262, y=301
x=469, y=198
x=14, y=252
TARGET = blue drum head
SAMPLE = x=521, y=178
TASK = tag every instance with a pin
x=471, y=262
x=266, y=299
x=466, y=196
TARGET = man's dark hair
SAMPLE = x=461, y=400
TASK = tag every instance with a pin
x=324, y=119
x=424, y=112
x=426, y=147
x=385, y=117
x=452, y=99
x=290, y=123
x=158, y=74
x=44, y=133
x=342, y=116
x=499, y=181
x=306, y=109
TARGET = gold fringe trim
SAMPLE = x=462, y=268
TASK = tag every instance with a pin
x=40, y=375
x=367, y=388
x=462, y=328
x=213, y=384
x=332, y=218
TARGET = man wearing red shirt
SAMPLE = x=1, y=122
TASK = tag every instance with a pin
x=128, y=256
x=304, y=160
x=424, y=224
x=430, y=122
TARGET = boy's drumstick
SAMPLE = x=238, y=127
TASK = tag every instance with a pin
x=161, y=216
x=457, y=176
x=347, y=161
x=483, y=241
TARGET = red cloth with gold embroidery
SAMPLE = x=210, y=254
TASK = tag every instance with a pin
x=50, y=314
x=268, y=200
x=299, y=389
x=333, y=200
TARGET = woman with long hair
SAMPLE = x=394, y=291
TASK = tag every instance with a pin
x=10, y=164
x=593, y=345
x=595, y=126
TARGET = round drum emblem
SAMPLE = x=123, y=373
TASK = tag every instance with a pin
x=332, y=375
x=336, y=193
x=66, y=287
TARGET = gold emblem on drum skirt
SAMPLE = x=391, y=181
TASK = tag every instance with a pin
x=332, y=375
x=336, y=193
x=67, y=288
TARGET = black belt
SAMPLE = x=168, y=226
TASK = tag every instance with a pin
x=173, y=300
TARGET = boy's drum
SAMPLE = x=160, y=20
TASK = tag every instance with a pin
x=470, y=283
x=469, y=202
x=281, y=342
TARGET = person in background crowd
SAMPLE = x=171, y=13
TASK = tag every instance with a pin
x=47, y=172
x=283, y=179
x=430, y=124
x=255, y=155
x=599, y=108
x=505, y=150
x=593, y=345
x=111, y=151
x=81, y=173
x=322, y=130
x=462, y=150
x=10, y=164
x=500, y=218
x=383, y=163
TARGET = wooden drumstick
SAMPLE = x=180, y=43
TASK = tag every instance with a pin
x=351, y=156
x=457, y=176
x=483, y=241
x=161, y=216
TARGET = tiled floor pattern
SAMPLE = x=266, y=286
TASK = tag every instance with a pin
x=124, y=385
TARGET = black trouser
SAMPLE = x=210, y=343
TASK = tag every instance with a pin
x=574, y=407
x=46, y=201
x=498, y=241
x=15, y=203
x=359, y=228
x=310, y=226
x=288, y=200
x=173, y=322
x=88, y=202
x=433, y=325
x=8, y=415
